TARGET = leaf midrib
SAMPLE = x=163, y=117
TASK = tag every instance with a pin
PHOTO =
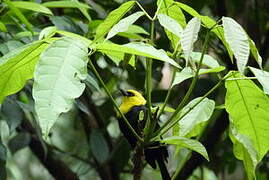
x=59, y=74
x=249, y=114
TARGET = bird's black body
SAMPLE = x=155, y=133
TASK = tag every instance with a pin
x=155, y=152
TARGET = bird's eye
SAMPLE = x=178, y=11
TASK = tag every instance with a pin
x=130, y=94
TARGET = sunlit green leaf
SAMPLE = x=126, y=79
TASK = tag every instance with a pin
x=117, y=57
x=84, y=11
x=32, y=6
x=189, y=36
x=263, y=78
x=254, y=51
x=138, y=48
x=136, y=30
x=19, y=14
x=187, y=143
x=244, y=150
x=187, y=73
x=112, y=19
x=130, y=35
x=47, y=32
x=169, y=8
x=209, y=23
x=238, y=41
x=58, y=78
x=124, y=24
x=208, y=60
x=3, y=27
x=170, y=24
x=193, y=123
x=248, y=108
x=74, y=36
x=17, y=67
x=23, y=34
x=65, y=4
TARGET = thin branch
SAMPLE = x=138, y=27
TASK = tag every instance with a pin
x=114, y=102
x=193, y=83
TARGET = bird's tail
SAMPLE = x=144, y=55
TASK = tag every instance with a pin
x=163, y=169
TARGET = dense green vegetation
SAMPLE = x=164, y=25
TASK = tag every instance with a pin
x=201, y=65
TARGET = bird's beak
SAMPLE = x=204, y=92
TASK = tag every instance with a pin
x=124, y=93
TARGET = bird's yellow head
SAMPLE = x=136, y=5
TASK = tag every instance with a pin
x=130, y=99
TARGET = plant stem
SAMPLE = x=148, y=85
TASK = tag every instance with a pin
x=191, y=108
x=184, y=160
x=243, y=78
x=149, y=87
x=158, y=9
x=150, y=18
x=194, y=80
x=198, y=102
x=170, y=87
x=114, y=102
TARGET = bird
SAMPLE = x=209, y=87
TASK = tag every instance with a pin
x=133, y=103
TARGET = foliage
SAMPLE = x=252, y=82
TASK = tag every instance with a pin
x=61, y=67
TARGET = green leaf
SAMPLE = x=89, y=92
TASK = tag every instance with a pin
x=32, y=6
x=209, y=23
x=133, y=32
x=187, y=73
x=3, y=158
x=124, y=24
x=244, y=150
x=170, y=24
x=19, y=14
x=65, y=4
x=75, y=36
x=254, y=51
x=112, y=19
x=208, y=60
x=193, y=123
x=9, y=46
x=169, y=8
x=248, y=108
x=25, y=34
x=138, y=48
x=189, y=36
x=84, y=11
x=3, y=27
x=91, y=82
x=238, y=41
x=134, y=29
x=47, y=32
x=187, y=143
x=117, y=57
x=188, y=9
x=263, y=78
x=99, y=146
x=130, y=36
x=17, y=67
x=58, y=78
x=166, y=108
x=12, y=113
x=66, y=23
x=21, y=140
